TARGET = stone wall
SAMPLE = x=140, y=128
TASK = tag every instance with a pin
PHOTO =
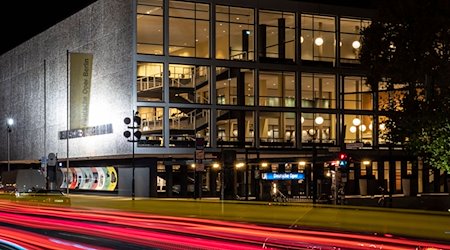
x=104, y=29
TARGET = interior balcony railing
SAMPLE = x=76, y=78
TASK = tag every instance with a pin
x=146, y=83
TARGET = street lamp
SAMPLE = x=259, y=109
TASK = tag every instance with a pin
x=135, y=135
x=9, y=123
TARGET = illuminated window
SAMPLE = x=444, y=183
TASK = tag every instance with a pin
x=150, y=27
x=150, y=81
x=152, y=126
x=318, y=128
x=235, y=128
x=186, y=124
x=188, y=83
x=276, y=36
x=358, y=128
x=350, y=43
x=234, y=33
x=318, y=91
x=277, y=89
x=188, y=29
x=318, y=38
x=277, y=129
x=235, y=86
x=357, y=94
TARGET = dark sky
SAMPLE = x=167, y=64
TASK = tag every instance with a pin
x=21, y=20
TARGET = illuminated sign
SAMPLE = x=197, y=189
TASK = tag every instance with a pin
x=283, y=176
x=87, y=131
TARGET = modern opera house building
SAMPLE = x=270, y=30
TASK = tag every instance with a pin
x=234, y=96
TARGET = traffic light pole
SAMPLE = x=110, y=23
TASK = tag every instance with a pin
x=132, y=164
x=135, y=136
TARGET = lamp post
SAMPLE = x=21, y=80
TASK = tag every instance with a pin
x=135, y=135
x=9, y=123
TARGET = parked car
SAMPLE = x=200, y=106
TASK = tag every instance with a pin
x=52, y=197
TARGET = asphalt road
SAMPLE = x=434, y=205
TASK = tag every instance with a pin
x=120, y=223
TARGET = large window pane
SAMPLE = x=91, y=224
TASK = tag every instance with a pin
x=390, y=96
x=277, y=129
x=152, y=126
x=150, y=27
x=149, y=81
x=357, y=93
x=318, y=128
x=276, y=36
x=318, y=91
x=186, y=124
x=235, y=128
x=188, y=83
x=351, y=39
x=234, y=33
x=235, y=86
x=188, y=29
x=358, y=128
x=318, y=38
x=277, y=89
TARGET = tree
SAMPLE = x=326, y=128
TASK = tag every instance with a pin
x=407, y=47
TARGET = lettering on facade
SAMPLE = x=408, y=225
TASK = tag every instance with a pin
x=87, y=131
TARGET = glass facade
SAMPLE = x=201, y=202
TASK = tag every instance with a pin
x=186, y=124
x=350, y=43
x=235, y=128
x=267, y=60
x=235, y=86
x=318, y=128
x=318, y=38
x=188, y=29
x=276, y=89
x=276, y=32
x=280, y=85
x=357, y=93
x=358, y=128
x=318, y=91
x=152, y=126
x=188, y=83
x=150, y=28
x=150, y=83
x=235, y=33
x=277, y=129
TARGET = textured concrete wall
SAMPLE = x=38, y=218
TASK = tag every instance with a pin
x=104, y=29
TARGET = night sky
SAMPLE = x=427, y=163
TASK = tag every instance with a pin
x=21, y=20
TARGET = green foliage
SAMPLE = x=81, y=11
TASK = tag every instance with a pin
x=408, y=45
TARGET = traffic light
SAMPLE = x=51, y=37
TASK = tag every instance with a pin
x=343, y=160
x=135, y=126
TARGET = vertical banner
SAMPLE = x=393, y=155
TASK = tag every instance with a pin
x=80, y=89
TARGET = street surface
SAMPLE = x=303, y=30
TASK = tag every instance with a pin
x=120, y=223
